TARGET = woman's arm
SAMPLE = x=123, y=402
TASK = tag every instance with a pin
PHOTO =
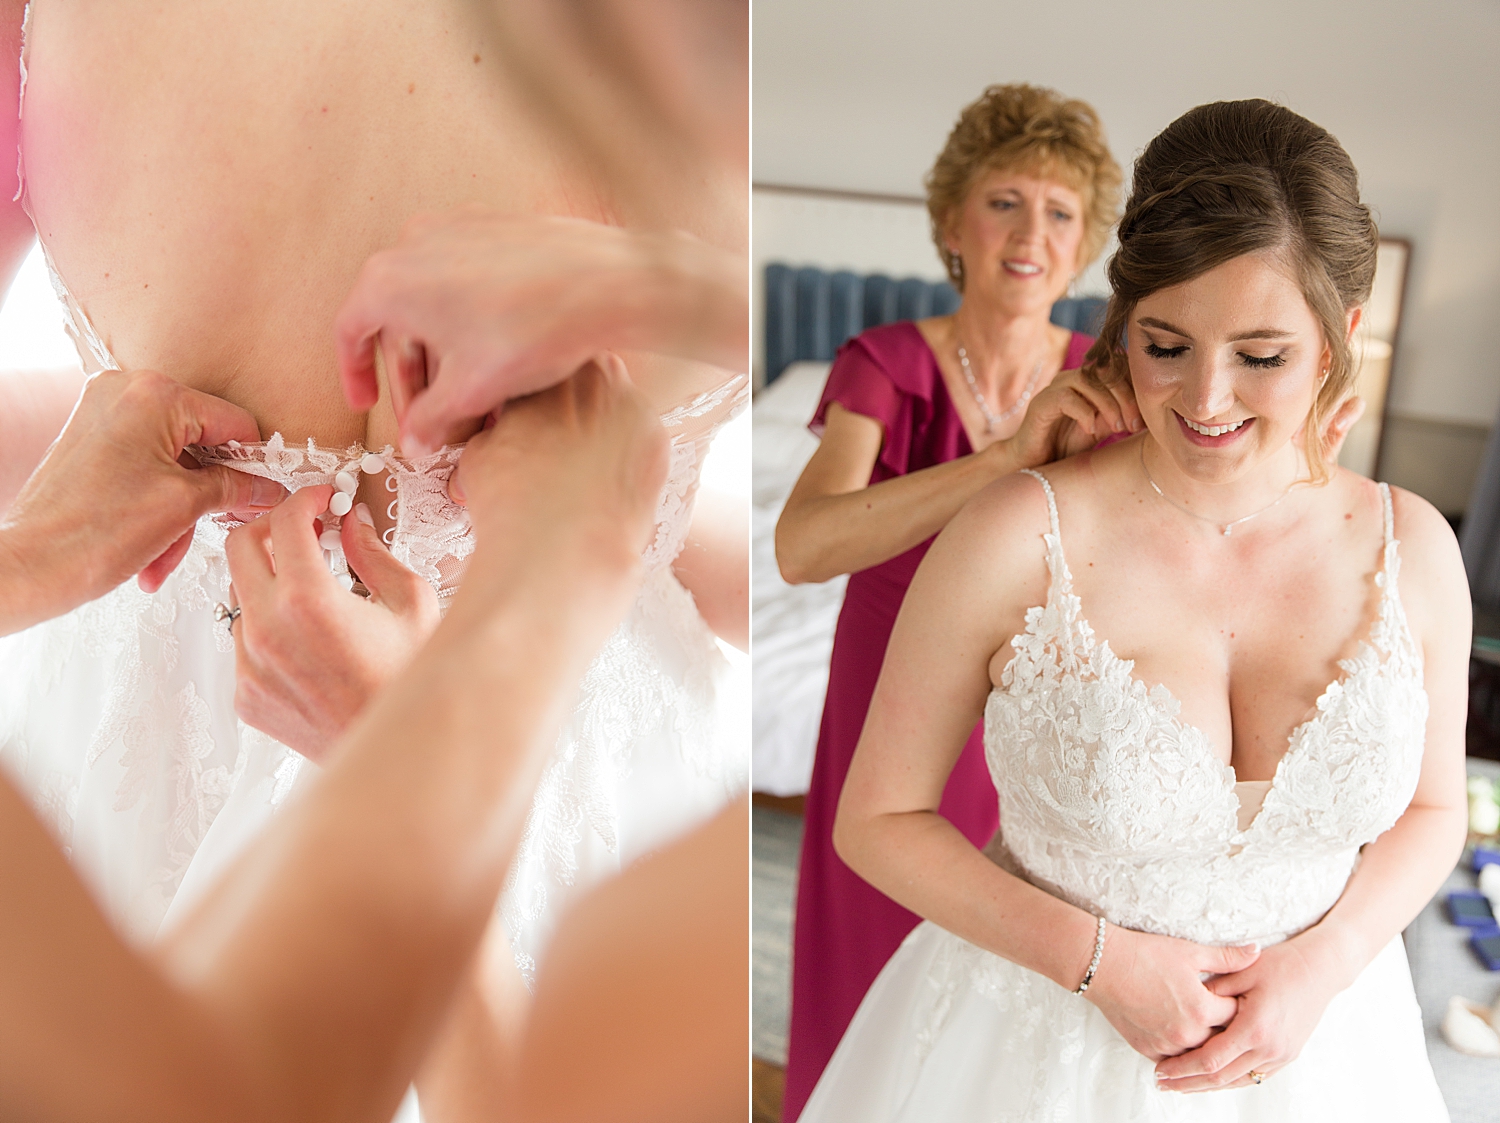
x=640, y=1008
x=835, y=521
x=34, y=406
x=957, y=619
x=1287, y=990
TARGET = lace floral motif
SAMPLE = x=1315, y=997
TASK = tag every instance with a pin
x=1112, y=802
x=431, y=532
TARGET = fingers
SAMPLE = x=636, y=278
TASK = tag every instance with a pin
x=356, y=331
x=390, y=583
x=207, y=420
x=294, y=534
x=1226, y=1061
x=1124, y=395
x=220, y=488
x=456, y=395
x=1228, y=960
x=406, y=371
x=150, y=579
x=1339, y=425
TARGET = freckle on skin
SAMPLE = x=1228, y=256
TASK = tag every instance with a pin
x=411, y=88
x=476, y=60
x=325, y=109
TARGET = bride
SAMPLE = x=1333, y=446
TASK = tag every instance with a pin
x=1223, y=687
x=207, y=181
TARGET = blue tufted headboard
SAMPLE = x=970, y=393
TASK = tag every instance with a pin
x=809, y=313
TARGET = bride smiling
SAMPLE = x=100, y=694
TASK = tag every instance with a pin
x=1223, y=688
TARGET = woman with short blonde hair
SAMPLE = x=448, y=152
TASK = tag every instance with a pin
x=915, y=419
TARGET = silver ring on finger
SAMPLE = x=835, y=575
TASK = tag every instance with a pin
x=222, y=612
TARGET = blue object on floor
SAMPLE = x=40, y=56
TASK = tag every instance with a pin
x=1470, y=910
x=1486, y=945
x=1484, y=856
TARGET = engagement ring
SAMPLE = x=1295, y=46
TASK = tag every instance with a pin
x=223, y=612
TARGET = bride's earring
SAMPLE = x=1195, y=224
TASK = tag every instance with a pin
x=955, y=267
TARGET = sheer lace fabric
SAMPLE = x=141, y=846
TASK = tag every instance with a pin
x=1111, y=802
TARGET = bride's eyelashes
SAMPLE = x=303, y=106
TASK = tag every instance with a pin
x=1255, y=362
x=1159, y=352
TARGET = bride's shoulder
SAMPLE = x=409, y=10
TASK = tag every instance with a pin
x=1431, y=578
x=999, y=531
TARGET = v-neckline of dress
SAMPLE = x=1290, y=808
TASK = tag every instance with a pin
x=1060, y=585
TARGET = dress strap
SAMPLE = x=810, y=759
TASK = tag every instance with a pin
x=1051, y=499
x=1390, y=513
x=1061, y=584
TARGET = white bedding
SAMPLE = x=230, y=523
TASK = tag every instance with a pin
x=791, y=626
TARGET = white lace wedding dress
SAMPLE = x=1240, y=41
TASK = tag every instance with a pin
x=117, y=719
x=1109, y=801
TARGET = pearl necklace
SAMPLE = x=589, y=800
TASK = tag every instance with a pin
x=993, y=421
x=1224, y=528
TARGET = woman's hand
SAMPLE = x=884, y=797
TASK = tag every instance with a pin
x=1151, y=990
x=473, y=308
x=308, y=653
x=1074, y=413
x=115, y=496
x=1281, y=997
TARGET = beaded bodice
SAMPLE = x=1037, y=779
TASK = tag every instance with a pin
x=1112, y=802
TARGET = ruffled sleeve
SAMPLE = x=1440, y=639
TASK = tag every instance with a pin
x=885, y=374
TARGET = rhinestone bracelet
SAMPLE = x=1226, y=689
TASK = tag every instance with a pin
x=1093, y=963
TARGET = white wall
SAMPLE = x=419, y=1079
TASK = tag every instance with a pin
x=860, y=94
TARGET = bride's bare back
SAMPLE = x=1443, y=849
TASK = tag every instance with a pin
x=209, y=177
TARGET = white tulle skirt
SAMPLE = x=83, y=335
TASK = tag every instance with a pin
x=953, y=1033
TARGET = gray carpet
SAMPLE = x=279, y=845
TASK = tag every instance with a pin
x=776, y=840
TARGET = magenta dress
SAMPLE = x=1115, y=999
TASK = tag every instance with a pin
x=845, y=928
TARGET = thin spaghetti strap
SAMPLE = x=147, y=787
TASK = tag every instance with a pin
x=1389, y=512
x=1051, y=499
x=1061, y=584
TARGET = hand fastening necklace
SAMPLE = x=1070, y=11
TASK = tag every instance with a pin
x=993, y=421
x=1224, y=528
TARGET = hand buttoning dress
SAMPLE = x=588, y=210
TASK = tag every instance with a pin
x=1112, y=803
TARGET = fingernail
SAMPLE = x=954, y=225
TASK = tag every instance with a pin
x=455, y=490
x=266, y=493
x=362, y=513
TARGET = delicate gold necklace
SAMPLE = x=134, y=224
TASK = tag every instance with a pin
x=1224, y=528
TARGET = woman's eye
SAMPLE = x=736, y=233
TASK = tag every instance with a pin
x=1262, y=362
x=1062, y=216
x=1164, y=352
x=1002, y=204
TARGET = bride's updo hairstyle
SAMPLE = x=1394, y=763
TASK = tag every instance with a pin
x=1239, y=177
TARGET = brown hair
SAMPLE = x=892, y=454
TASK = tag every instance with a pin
x=1026, y=128
x=1238, y=177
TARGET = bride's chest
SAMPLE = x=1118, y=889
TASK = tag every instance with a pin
x=1245, y=651
x=1089, y=756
